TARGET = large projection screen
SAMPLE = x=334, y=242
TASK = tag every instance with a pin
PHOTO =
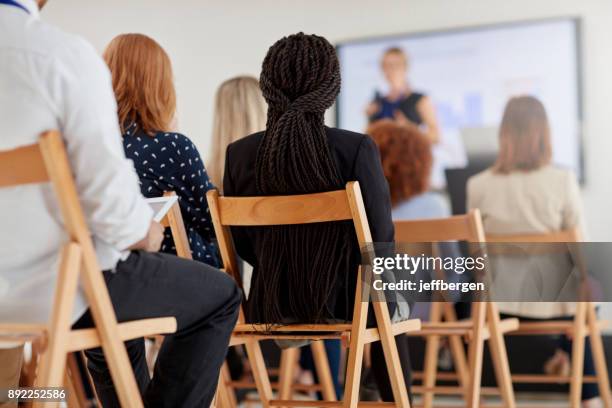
x=470, y=73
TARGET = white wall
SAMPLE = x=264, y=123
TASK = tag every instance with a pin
x=210, y=41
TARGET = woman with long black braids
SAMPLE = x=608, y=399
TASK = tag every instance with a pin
x=306, y=273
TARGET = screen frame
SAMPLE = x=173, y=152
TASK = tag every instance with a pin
x=578, y=39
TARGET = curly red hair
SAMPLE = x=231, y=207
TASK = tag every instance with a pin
x=406, y=158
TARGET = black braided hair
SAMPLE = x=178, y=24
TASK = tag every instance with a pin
x=298, y=266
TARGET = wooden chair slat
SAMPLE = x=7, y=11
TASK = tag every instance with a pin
x=83, y=339
x=23, y=165
x=282, y=210
x=263, y=328
x=455, y=228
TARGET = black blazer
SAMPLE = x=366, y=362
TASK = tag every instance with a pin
x=357, y=158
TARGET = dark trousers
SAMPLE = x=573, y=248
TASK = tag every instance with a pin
x=205, y=303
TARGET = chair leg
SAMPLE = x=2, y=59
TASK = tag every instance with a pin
x=286, y=375
x=457, y=352
x=52, y=366
x=356, y=345
x=228, y=392
x=224, y=397
x=321, y=363
x=74, y=375
x=260, y=374
x=396, y=376
x=430, y=365
x=577, y=364
x=475, y=354
x=499, y=356
x=599, y=357
x=72, y=399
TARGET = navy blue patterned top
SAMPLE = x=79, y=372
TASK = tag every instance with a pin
x=170, y=162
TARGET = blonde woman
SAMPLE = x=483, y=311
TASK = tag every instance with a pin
x=240, y=110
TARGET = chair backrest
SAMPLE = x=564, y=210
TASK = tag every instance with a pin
x=42, y=162
x=567, y=235
x=174, y=220
x=339, y=205
x=467, y=227
x=415, y=236
x=24, y=165
x=565, y=241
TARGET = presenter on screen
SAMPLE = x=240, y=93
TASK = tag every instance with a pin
x=401, y=103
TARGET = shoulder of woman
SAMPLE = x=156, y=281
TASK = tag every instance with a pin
x=481, y=178
x=177, y=138
x=346, y=139
x=245, y=147
x=559, y=174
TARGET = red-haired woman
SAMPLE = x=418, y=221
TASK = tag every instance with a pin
x=405, y=153
x=164, y=160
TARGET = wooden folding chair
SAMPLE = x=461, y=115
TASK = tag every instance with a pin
x=74, y=381
x=304, y=209
x=484, y=323
x=46, y=161
x=585, y=323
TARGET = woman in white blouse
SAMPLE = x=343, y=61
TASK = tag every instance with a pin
x=523, y=193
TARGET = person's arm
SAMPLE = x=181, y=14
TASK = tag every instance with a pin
x=242, y=242
x=369, y=173
x=106, y=181
x=471, y=193
x=426, y=109
x=374, y=107
x=572, y=210
x=152, y=241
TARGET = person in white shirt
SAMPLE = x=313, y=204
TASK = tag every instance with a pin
x=53, y=80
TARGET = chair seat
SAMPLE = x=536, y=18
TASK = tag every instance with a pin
x=18, y=332
x=83, y=339
x=462, y=328
x=246, y=331
x=552, y=327
x=271, y=329
x=328, y=404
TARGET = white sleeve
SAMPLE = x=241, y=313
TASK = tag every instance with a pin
x=106, y=181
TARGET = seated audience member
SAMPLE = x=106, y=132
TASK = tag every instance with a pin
x=524, y=193
x=405, y=153
x=164, y=160
x=240, y=110
x=53, y=80
x=297, y=153
x=406, y=158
